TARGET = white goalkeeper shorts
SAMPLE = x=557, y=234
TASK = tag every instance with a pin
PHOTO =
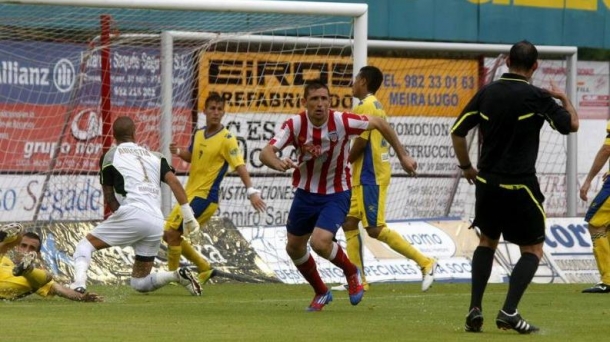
x=132, y=226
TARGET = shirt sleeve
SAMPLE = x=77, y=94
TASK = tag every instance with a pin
x=193, y=139
x=107, y=175
x=45, y=289
x=165, y=167
x=355, y=124
x=363, y=109
x=557, y=116
x=468, y=119
x=231, y=151
x=5, y=261
x=284, y=136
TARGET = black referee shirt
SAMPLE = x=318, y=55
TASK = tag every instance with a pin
x=510, y=113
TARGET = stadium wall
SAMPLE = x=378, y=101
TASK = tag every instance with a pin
x=571, y=23
x=580, y=23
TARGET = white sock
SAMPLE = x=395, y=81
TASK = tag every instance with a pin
x=333, y=252
x=154, y=281
x=301, y=260
x=82, y=259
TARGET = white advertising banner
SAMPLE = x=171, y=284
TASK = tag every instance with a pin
x=568, y=255
x=447, y=241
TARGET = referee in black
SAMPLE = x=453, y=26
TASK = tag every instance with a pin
x=510, y=113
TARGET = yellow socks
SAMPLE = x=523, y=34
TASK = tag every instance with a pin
x=192, y=255
x=354, y=251
x=601, y=251
x=173, y=257
x=402, y=246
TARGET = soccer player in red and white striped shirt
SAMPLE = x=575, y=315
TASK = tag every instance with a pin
x=322, y=178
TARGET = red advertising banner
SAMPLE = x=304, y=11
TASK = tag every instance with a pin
x=38, y=138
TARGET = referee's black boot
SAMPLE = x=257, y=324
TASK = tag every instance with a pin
x=506, y=322
x=474, y=320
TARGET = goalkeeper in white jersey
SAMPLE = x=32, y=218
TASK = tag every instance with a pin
x=131, y=179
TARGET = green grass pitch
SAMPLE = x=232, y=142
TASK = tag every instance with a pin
x=276, y=312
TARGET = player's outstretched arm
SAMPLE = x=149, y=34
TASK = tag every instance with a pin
x=254, y=195
x=68, y=293
x=557, y=93
x=407, y=162
x=269, y=157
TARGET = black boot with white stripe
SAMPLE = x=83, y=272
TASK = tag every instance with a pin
x=506, y=322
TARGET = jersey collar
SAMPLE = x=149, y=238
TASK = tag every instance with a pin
x=513, y=77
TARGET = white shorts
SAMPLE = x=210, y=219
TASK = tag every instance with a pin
x=132, y=226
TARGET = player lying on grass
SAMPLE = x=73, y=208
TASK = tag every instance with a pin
x=19, y=254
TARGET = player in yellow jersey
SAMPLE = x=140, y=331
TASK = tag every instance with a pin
x=598, y=217
x=212, y=153
x=371, y=171
x=19, y=252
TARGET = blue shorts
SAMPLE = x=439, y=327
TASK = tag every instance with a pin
x=309, y=211
x=598, y=214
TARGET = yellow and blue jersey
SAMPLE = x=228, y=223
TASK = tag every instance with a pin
x=211, y=158
x=373, y=167
x=12, y=287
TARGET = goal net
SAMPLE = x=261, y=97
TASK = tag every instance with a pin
x=66, y=72
x=553, y=152
x=423, y=93
x=65, y=76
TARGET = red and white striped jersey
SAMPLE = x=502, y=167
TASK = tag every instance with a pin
x=322, y=151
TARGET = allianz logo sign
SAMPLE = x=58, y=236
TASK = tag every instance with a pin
x=62, y=76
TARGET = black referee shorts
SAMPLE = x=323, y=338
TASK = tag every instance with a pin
x=513, y=209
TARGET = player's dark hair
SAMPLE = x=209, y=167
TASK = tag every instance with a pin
x=523, y=55
x=314, y=85
x=34, y=236
x=124, y=129
x=213, y=97
x=373, y=77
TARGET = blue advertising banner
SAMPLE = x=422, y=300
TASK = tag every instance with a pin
x=38, y=72
x=47, y=74
x=50, y=97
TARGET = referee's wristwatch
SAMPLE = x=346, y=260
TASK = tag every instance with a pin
x=465, y=167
